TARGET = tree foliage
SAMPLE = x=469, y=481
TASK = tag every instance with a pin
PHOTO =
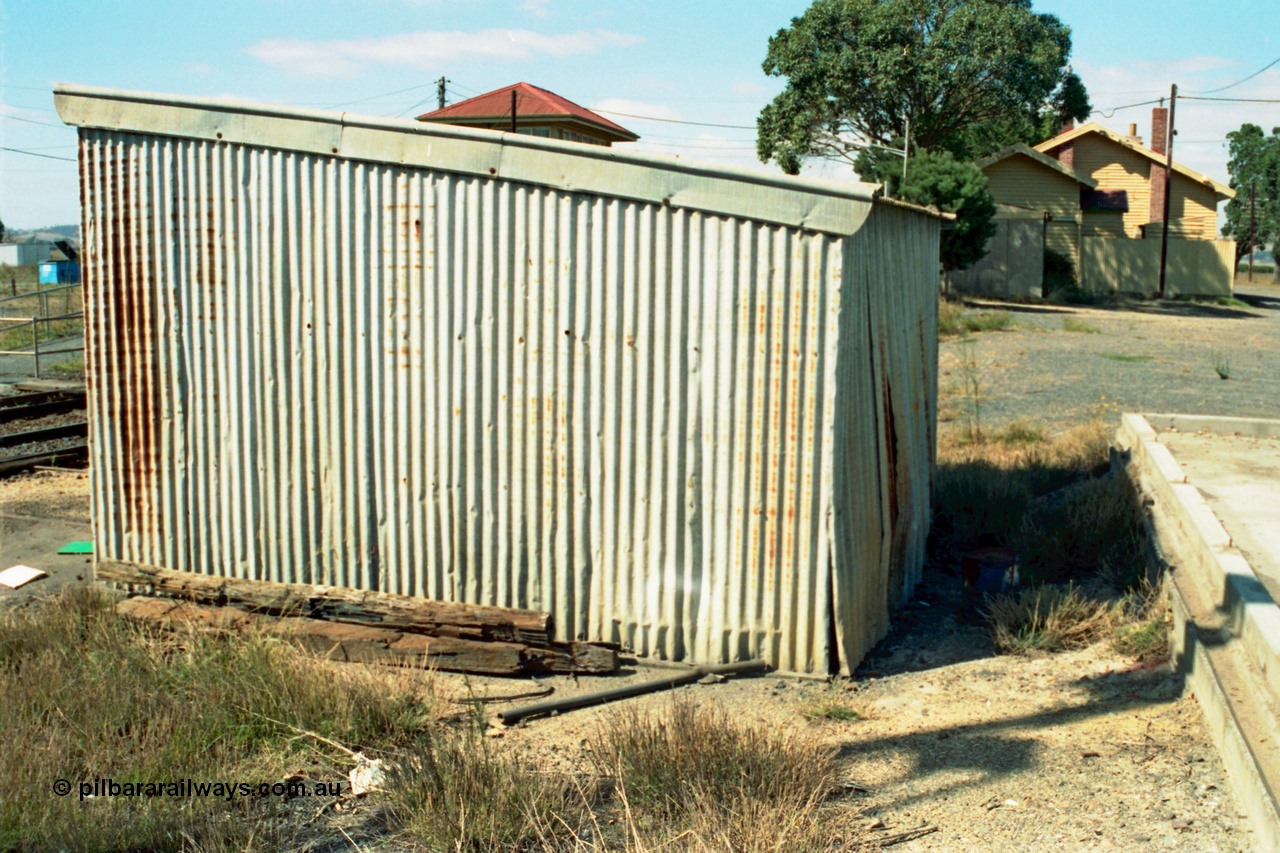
x=1254, y=164
x=972, y=76
x=941, y=181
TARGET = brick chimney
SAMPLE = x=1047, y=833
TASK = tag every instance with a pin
x=1159, y=129
x=1066, y=154
x=1159, y=144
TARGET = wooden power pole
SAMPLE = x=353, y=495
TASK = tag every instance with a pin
x=1168, y=185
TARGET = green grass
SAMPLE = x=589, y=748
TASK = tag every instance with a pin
x=88, y=695
x=955, y=321
x=1128, y=358
x=22, y=337
x=1222, y=365
x=26, y=277
x=1075, y=324
x=1051, y=619
x=1224, y=301
x=832, y=708
x=71, y=368
x=985, y=490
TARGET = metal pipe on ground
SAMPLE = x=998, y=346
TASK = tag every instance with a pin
x=573, y=703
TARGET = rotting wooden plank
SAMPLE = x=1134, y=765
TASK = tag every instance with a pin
x=337, y=604
x=367, y=644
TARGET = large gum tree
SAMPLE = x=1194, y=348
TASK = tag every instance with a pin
x=969, y=76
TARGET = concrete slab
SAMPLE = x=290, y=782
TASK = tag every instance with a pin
x=1239, y=477
x=32, y=541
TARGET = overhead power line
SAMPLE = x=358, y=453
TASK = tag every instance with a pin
x=34, y=154
x=675, y=121
x=1234, y=100
x=1242, y=80
x=1108, y=113
x=383, y=95
x=18, y=118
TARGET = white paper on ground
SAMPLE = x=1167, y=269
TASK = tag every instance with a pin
x=16, y=576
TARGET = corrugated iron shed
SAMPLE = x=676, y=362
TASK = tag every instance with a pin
x=682, y=407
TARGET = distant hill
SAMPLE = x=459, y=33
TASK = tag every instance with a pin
x=50, y=233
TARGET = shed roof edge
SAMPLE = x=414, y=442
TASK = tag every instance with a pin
x=825, y=206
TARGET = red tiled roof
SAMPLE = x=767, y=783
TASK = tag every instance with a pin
x=530, y=101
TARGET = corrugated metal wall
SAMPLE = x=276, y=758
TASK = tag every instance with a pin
x=307, y=368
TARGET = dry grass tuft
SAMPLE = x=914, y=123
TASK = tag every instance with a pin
x=1145, y=623
x=453, y=792
x=986, y=489
x=1047, y=619
x=709, y=783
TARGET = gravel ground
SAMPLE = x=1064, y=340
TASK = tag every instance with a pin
x=50, y=445
x=10, y=427
x=1142, y=357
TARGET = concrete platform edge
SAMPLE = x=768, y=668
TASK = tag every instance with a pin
x=1224, y=622
x=1248, y=783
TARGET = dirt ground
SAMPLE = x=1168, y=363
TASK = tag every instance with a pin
x=1141, y=357
x=1087, y=750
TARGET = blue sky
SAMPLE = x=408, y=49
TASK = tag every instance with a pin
x=686, y=61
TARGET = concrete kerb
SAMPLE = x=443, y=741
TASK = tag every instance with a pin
x=1200, y=541
x=1226, y=626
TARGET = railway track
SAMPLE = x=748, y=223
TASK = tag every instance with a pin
x=24, y=447
x=37, y=405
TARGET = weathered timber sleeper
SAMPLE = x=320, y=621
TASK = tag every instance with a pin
x=337, y=604
x=366, y=644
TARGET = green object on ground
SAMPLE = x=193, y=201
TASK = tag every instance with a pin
x=76, y=548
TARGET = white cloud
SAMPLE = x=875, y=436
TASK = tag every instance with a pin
x=537, y=8
x=429, y=49
x=198, y=68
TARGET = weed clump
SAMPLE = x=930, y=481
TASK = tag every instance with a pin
x=729, y=786
x=1047, y=619
x=1075, y=324
x=833, y=708
x=452, y=792
x=955, y=321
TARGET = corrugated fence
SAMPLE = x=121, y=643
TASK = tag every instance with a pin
x=1193, y=267
x=684, y=409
